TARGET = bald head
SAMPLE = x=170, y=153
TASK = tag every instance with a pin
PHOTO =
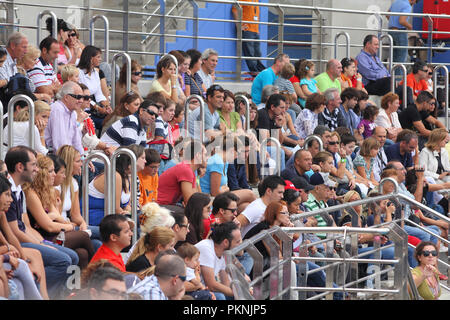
x=334, y=68
x=303, y=160
x=380, y=134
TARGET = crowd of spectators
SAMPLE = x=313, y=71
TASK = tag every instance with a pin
x=195, y=196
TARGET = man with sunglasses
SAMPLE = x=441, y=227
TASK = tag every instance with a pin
x=416, y=80
x=413, y=116
x=62, y=126
x=167, y=282
x=133, y=128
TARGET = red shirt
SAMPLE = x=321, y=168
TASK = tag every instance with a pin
x=169, y=186
x=207, y=225
x=294, y=79
x=414, y=85
x=105, y=252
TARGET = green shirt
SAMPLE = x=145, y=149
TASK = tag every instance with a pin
x=234, y=119
x=324, y=82
x=424, y=289
x=312, y=205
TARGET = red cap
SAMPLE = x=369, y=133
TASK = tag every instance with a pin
x=289, y=185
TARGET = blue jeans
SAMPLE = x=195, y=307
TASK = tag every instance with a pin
x=56, y=263
x=317, y=279
x=272, y=152
x=247, y=262
x=252, y=49
x=422, y=235
x=400, y=39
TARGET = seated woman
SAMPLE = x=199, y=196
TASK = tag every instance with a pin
x=388, y=117
x=350, y=78
x=46, y=218
x=123, y=194
x=68, y=192
x=128, y=104
x=229, y=118
x=73, y=47
x=192, y=80
x=89, y=75
x=136, y=76
x=21, y=127
x=426, y=275
x=148, y=247
x=166, y=79
x=364, y=161
x=307, y=119
x=198, y=209
x=215, y=179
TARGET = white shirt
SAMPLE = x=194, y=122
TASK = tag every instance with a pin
x=93, y=83
x=207, y=78
x=208, y=257
x=254, y=212
x=382, y=120
x=20, y=137
x=67, y=205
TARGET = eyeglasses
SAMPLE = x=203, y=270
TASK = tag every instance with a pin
x=116, y=293
x=150, y=112
x=137, y=73
x=426, y=253
x=77, y=96
x=184, y=226
x=432, y=103
x=73, y=34
x=231, y=209
x=332, y=143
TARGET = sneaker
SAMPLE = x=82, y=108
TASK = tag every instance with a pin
x=442, y=277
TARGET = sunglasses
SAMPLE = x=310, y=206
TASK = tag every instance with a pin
x=72, y=34
x=137, y=73
x=426, y=253
x=150, y=112
x=332, y=143
x=430, y=73
x=231, y=209
x=78, y=96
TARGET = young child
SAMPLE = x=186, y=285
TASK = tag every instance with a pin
x=148, y=177
x=193, y=284
x=307, y=82
x=70, y=73
x=367, y=124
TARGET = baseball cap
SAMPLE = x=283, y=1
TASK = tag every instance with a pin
x=319, y=178
x=289, y=185
x=302, y=183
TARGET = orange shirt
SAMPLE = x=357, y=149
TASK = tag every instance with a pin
x=249, y=13
x=414, y=85
x=148, y=187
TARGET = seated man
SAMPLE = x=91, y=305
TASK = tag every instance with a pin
x=148, y=177
x=349, y=98
x=106, y=283
x=236, y=173
x=268, y=76
x=401, y=151
x=331, y=116
x=416, y=80
x=42, y=74
x=330, y=78
x=179, y=182
x=116, y=233
x=376, y=78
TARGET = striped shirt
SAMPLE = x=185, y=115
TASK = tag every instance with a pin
x=125, y=132
x=41, y=74
x=149, y=289
x=161, y=128
x=9, y=67
x=312, y=205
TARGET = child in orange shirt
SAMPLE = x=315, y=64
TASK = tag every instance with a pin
x=148, y=177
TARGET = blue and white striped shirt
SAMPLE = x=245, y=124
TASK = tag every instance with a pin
x=125, y=132
x=149, y=289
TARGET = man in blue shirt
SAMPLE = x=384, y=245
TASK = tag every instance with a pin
x=376, y=78
x=400, y=23
x=268, y=76
x=407, y=142
x=349, y=99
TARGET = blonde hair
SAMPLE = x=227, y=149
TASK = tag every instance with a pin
x=68, y=154
x=39, y=107
x=368, y=144
x=41, y=184
x=435, y=138
x=287, y=71
x=32, y=54
x=149, y=243
x=153, y=215
x=67, y=71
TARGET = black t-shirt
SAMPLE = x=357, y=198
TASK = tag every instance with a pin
x=408, y=116
x=264, y=121
x=263, y=225
x=141, y=263
x=425, y=114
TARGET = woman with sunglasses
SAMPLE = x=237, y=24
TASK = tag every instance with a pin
x=73, y=47
x=426, y=275
x=136, y=76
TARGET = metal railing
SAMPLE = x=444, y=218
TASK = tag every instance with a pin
x=346, y=277
x=11, y=105
x=106, y=35
x=435, y=72
x=244, y=99
x=262, y=154
x=311, y=138
x=404, y=84
x=54, y=31
x=85, y=184
x=127, y=60
x=200, y=123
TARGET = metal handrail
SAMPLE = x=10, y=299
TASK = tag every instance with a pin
x=202, y=116
x=237, y=99
x=133, y=182
x=313, y=137
x=113, y=75
x=446, y=79
x=85, y=184
x=391, y=49
x=405, y=89
x=55, y=31
x=11, y=105
x=106, y=30
x=347, y=38
x=263, y=150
